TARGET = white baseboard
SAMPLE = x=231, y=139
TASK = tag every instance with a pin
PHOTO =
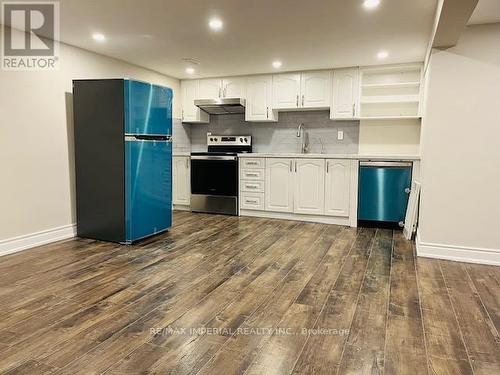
x=458, y=253
x=181, y=207
x=15, y=244
x=297, y=217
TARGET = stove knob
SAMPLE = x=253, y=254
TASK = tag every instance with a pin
x=246, y=140
x=241, y=139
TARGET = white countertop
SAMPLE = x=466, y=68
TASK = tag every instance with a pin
x=182, y=153
x=331, y=156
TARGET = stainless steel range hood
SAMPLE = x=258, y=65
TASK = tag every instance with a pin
x=221, y=106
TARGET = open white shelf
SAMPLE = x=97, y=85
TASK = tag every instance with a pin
x=390, y=85
x=391, y=92
x=390, y=99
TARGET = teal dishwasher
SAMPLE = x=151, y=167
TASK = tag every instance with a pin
x=384, y=189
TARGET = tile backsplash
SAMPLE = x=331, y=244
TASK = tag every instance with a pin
x=181, y=135
x=281, y=136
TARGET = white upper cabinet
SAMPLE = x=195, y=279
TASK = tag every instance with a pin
x=210, y=89
x=191, y=113
x=259, y=99
x=345, y=94
x=315, y=89
x=279, y=185
x=233, y=87
x=286, y=91
x=337, y=187
x=309, y=186
x=217, y=88
x=302, y=90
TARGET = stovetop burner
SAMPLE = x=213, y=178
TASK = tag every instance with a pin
x=227, y=145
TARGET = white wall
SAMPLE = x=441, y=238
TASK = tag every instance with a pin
x=460, y=149
x=389, y=137
x=36, y=139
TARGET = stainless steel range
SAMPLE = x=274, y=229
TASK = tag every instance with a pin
x=214, y=174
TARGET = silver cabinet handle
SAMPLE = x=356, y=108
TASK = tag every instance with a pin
x=302, y=100
x=253, y=174
x=225, y=91
x=267, y=112
x=297, y=102
x=354, y=110
x=295, y=166
x=407, y=190
x=291, y=162
x=187, y=163
x=251, y=201
x=251, y=163
x=327, y=164
x=251, y=186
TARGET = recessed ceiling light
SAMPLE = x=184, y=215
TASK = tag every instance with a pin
x=371, y=4
x=277, y=64
x=382, y=55
x=98, y=37
x=190, y=70
x=215, y=24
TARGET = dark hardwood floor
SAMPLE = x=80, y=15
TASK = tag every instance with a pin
x=228, y=295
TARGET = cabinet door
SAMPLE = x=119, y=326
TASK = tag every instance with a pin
x=181, y=180
x=233, y=87
x=279, y=185
x=309, y=191
x=315, y=89
x=189, y=94
x=258, y=104
x=210, y=89
x=345, y=94
x=286, y=91
x=337, y=187
x=190, y=90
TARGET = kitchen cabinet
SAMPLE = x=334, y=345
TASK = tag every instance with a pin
x=302, y=90
x=337, y=187
x=181, y=179
x=217, y=88
x=345, y=94
x=233, y=87
x=309, y=186
x=279, y=186
x=190, y=112
x=315, y=89
x=259, y=99
x=286, y=91
x=210, y=88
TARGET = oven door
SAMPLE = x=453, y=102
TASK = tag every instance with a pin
x=214, y=184
x=214, y=175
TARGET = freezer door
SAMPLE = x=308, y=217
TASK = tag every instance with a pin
x=148, y=109
x=148, y=187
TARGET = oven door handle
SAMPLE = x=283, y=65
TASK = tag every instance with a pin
x=214, y=157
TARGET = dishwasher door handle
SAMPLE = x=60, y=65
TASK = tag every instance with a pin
x=385, y=164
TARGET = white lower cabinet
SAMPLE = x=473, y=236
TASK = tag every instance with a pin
x=337, y=187
x=181, y=178
x=279, y=185
x=309, y=184
x=311, y=189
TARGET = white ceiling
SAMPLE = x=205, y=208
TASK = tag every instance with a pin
x=487, y=11
x=313, y=34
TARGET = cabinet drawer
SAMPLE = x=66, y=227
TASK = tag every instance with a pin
x=255, y=186
x=252, y=201
x=252, y=174
x=252, y=163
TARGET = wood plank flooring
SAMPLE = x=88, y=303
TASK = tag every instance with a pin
x=229, y=295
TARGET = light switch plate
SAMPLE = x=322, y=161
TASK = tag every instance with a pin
x=340, y=135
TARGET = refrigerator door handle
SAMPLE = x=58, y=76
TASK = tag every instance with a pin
x=148, y=138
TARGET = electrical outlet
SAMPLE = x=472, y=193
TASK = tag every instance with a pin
x=340, y=135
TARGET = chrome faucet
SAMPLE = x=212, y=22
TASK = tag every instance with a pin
x=304, y=144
